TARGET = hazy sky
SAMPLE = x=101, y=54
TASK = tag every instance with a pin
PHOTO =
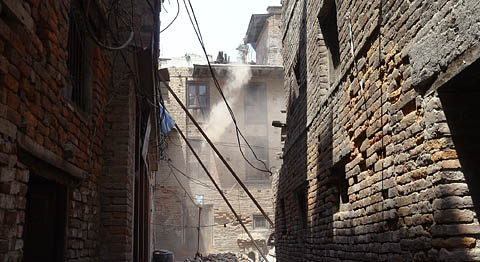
x=223, y=24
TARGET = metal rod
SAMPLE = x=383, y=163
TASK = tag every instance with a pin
x=218, y=153
x=198, y=229
x=221, y=192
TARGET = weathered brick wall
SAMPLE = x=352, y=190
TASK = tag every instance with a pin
x=117, y=184
x=33, y=72
x=269, y=43
x=410, y=194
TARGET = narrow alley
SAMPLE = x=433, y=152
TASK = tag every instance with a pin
x=239, y=131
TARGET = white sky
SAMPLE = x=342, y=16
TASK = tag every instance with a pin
x=223, y=24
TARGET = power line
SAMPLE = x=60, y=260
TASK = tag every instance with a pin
x=92, y=35
x=181, y=185
x=196, y=181
x=175, y=18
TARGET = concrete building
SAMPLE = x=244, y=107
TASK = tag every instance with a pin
x=382, y=131
x=255, y=93
x=74, y=185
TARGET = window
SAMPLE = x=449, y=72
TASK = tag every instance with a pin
x=256, y=104
x=340, y=183
x=259, y=222
x=198, y=96
x=302, y=204
x=79, y=61
x=260, y=147
x=327, y=18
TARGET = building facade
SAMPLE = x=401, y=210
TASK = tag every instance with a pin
x=71, y=126
x=255, y=94
x=256, y=101
x=379, y=159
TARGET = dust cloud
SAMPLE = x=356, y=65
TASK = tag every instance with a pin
x=219, y=118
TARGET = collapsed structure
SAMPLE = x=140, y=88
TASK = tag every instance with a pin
x=382, y=131
x=190, y=214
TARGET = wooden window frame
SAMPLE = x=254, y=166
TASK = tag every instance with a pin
x=197, y=85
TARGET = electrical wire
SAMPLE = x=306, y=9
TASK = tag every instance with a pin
x=196, y=181
x=95, y=39
x=238, y=132
x=184, y=189
x=175, y=18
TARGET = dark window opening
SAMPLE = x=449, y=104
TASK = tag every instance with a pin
x=338, y=175
x=45, y=221
x=79, y=61
x=299, y=79
x=256, y=104
x=328, y=25
x=301, y=194
x=259, y=222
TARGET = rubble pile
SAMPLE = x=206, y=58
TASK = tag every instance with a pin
x=223, y=257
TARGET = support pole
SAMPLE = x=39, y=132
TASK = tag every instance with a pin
x=218, y=153
x=198, y=229
x=221, y=193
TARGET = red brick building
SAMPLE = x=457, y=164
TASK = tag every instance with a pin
x=73, y=118
x=381, y=157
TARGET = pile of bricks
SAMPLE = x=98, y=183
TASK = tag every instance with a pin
x=222, y=257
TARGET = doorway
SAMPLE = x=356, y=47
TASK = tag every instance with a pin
x=45, y=221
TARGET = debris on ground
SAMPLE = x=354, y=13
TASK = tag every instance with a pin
x=222, y=257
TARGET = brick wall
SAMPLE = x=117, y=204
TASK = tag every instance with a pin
x=269, y=43
x=45, y=135
x=34, y=114
x=381, y=168
x=175, y=214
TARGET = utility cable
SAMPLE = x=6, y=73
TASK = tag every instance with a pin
x=184, y=189
x=95, y=39
x=175, y=18
x=217, y=85
x=221, y=192
x=217, y=152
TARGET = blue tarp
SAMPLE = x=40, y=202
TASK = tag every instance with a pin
x=166, y=120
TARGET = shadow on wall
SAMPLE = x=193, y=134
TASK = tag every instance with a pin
x=459, y=98
x=456, y=221
x=171, y=204
x=292, y=192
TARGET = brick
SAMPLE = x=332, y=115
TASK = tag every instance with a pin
x=13, y=101
x=455, y=242
x=10, y=82
x=7, y=128
x=453, y=215
x=450, y=164
x=4, y=30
